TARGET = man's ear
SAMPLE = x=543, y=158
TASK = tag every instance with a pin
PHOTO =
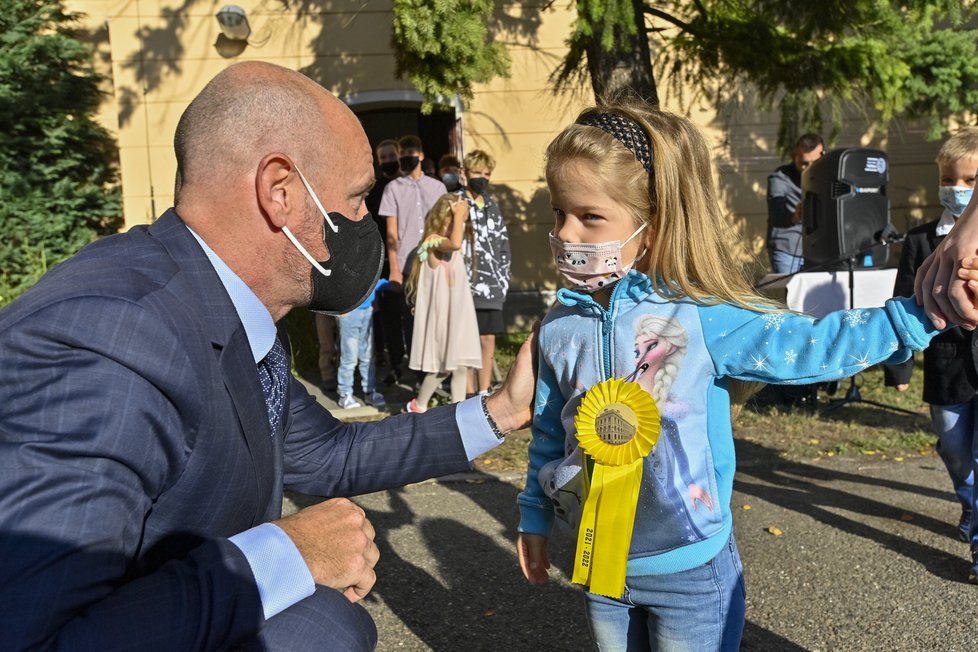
x=275, y=189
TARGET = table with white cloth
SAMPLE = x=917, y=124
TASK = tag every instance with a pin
x=818, y=294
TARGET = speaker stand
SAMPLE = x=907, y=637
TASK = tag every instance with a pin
x=852, y=394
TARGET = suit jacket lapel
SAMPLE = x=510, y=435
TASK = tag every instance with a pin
x=241, y=380
x=231, y=346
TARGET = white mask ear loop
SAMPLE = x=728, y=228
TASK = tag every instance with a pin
x=632, y=236
x=292, y=238
x=315, y=200
x=302, y=250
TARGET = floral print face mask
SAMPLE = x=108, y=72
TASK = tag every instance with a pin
x=588, y=267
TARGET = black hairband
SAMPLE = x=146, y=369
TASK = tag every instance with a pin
x=625, y=131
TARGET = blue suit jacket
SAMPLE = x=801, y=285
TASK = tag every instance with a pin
x=134, y=440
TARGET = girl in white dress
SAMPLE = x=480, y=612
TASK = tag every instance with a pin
x=446, y=336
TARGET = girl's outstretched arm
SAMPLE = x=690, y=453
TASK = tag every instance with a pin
x=534, y=561
x=786, y=347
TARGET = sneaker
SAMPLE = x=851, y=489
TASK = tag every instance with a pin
x=376, y=399
x=347, y=402
x=413, y=407
x=964, y=525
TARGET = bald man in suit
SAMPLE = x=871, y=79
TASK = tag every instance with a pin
x=148, y=423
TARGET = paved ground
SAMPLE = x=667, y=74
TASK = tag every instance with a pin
x=866, y=560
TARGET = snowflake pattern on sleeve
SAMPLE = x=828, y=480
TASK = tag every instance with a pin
x=785, y=347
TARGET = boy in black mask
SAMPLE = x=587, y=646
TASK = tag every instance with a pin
x=388, y=169
x=405, y=202
x=387, y=152
x=487, y=258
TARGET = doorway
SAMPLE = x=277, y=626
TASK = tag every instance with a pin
x=440, y=131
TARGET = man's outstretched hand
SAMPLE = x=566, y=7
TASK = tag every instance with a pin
x=511, y=406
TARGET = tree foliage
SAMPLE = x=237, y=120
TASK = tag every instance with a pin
x=444, y=47
x=57, y=165
x=914, y=58
x=610, y=46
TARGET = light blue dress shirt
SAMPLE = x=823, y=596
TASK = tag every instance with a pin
x=281, y=574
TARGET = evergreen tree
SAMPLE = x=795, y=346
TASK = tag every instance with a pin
x=914, y=58
x=57, y=165
x=444, y=47
x=609, y=47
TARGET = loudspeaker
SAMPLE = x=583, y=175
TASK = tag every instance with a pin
x=845, y=208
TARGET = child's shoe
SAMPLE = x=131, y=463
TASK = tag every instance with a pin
x=376, y=399
x=347, y=402
x=964, y=525
x=413, y=407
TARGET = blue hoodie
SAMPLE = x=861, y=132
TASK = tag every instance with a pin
x=683, y=514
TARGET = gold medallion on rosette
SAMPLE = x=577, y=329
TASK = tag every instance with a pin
x=617, y=426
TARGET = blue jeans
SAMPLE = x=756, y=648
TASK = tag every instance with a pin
x=699, y=609
x=357, y=346
x=957, y=444
x=784, y=263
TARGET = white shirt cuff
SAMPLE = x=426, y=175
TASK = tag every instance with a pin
x=477, y=434
x=280, y=571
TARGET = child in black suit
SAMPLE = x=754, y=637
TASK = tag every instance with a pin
x=951, y=360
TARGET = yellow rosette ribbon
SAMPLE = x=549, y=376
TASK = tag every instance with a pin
x=617, y=426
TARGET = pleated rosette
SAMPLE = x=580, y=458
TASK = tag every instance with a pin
x=617, y=426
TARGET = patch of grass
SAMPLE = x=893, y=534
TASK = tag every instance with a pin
x=507, y=346
x=854, y=429
x=850, y=429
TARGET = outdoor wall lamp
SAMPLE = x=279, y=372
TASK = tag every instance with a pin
x=234, y=23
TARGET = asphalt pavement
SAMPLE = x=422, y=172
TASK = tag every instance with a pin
x=839, y=554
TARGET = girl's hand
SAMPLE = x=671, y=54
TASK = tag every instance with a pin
x=695, y=493
x=460, y=209
x=969, y=272
x=534, y=562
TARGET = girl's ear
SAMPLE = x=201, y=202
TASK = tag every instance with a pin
x=648, y=239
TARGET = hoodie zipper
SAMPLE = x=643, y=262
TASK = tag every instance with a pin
x=608, y=325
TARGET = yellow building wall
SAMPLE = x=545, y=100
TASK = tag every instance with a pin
x=157, y=54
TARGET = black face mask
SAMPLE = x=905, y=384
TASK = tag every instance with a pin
x=356, y=255
x=479, y=185
x=450, y=179
x=390, y=168
x=408, y=163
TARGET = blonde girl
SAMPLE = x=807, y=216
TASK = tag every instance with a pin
x=657, y=288
x=445, y=339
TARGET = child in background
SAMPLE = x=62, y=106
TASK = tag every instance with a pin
x=357, y=347
x=659, y=297
x=446, y=338
x=951, y=360
x=450, y=172
x=487, y=259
